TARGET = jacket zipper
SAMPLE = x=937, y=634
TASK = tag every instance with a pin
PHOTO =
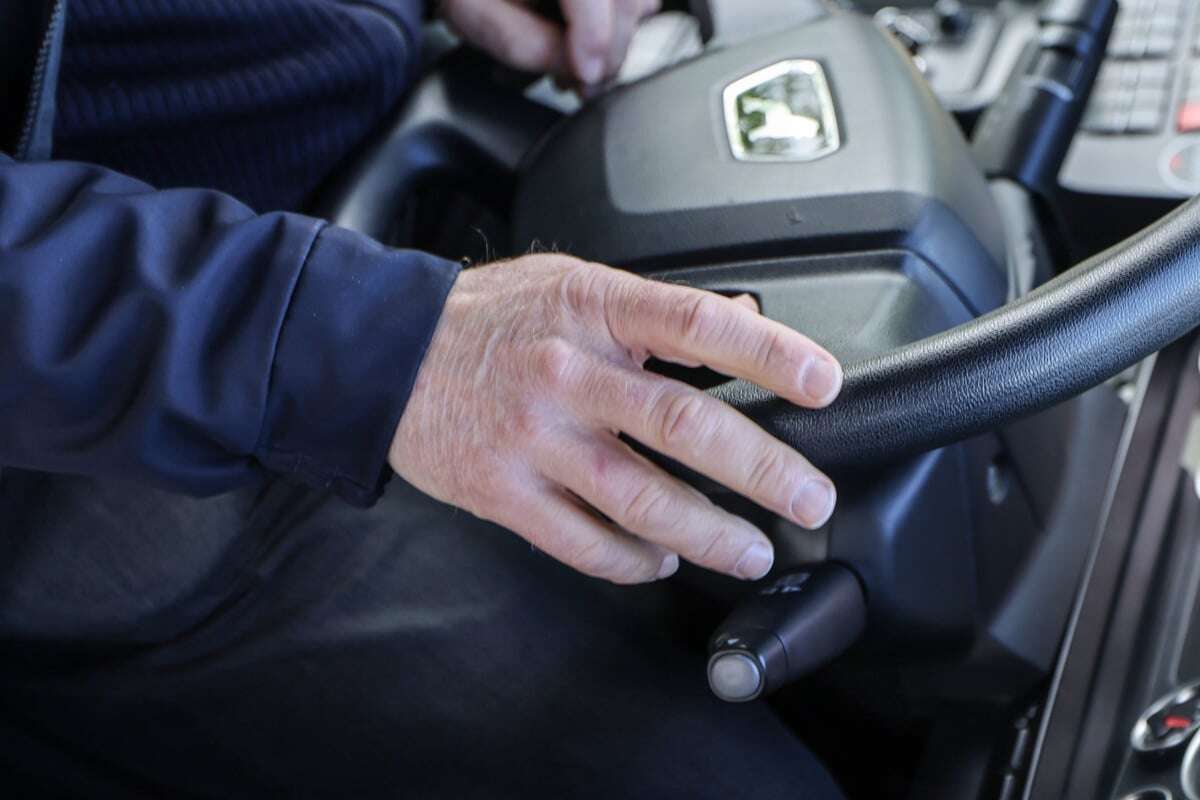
x=39, y=76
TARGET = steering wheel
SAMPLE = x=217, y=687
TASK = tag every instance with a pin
x=1070, y=334
x=985, y=369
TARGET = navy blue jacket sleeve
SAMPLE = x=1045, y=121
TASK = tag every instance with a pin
x=178, y=338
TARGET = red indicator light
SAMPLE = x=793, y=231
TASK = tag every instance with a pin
x=1176, y=723
x=1188, y=118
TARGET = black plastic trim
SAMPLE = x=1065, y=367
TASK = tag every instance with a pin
x=1125, y=550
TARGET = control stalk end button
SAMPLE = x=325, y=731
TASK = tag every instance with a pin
x=735, y=676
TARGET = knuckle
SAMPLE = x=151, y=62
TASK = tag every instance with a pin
x=554, y=363
x=717, y=550
x=528, y=424
x=601, y=468
x=646, y=509
x=700, y=317
x=578, y=288
x=767, y=475
x=625, y=302
x=769, y=351
x=602, y=475
x=604, y=558
x=681, y=419
x=595, y=558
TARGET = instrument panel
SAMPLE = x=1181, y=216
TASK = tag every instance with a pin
x=1140, y=134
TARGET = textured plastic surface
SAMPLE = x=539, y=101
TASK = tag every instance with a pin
x=857, y=305
x=645, y=178
x=457, y=125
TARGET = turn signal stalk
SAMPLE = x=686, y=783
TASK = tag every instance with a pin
x=790, y=627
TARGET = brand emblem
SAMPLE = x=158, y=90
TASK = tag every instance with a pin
x=783, y=112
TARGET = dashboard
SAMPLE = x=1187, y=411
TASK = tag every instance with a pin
x=1140, y=135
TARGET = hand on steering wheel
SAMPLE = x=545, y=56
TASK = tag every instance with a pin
x=590, y=49
x=536, y=367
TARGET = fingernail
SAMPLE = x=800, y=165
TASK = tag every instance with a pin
x=670, y=566
x=591, y=70
x=821, y=380
x=813, y=504
x=755, y=562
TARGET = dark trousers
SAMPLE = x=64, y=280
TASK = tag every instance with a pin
x=277, y=642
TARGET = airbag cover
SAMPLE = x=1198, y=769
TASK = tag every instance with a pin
x=646, y=177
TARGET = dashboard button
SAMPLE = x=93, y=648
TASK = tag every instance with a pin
x=1144, y=120
x=1188, y=119
x=1112, y=99
x=1180, y=167
x=1149, y=97
x=1159, y=45
x=1149, y=793
x=1173, y=718
x=1105, y=120
x=1155, y=74
x=1127, y=41
x=1118, y=74
x=1164, y=25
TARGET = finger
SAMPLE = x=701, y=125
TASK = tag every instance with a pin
x=708, y=436
x=678, y=322
x=561, y=527
x=748, y=301
x=626, y=14
x=644, y=500
x=589, y=36
x=510, y=33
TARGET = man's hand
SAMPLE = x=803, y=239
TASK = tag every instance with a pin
x=534, y=370
x=591, y=49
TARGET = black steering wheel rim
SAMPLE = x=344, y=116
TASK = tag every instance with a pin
x=1072, y=333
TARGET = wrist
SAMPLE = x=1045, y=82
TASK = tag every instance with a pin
x=352, y=341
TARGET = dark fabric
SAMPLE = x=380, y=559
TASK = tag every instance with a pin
x=259, y=99
x=20, y=30
x=177, y=338
x=31, y=33
x=274, y=642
